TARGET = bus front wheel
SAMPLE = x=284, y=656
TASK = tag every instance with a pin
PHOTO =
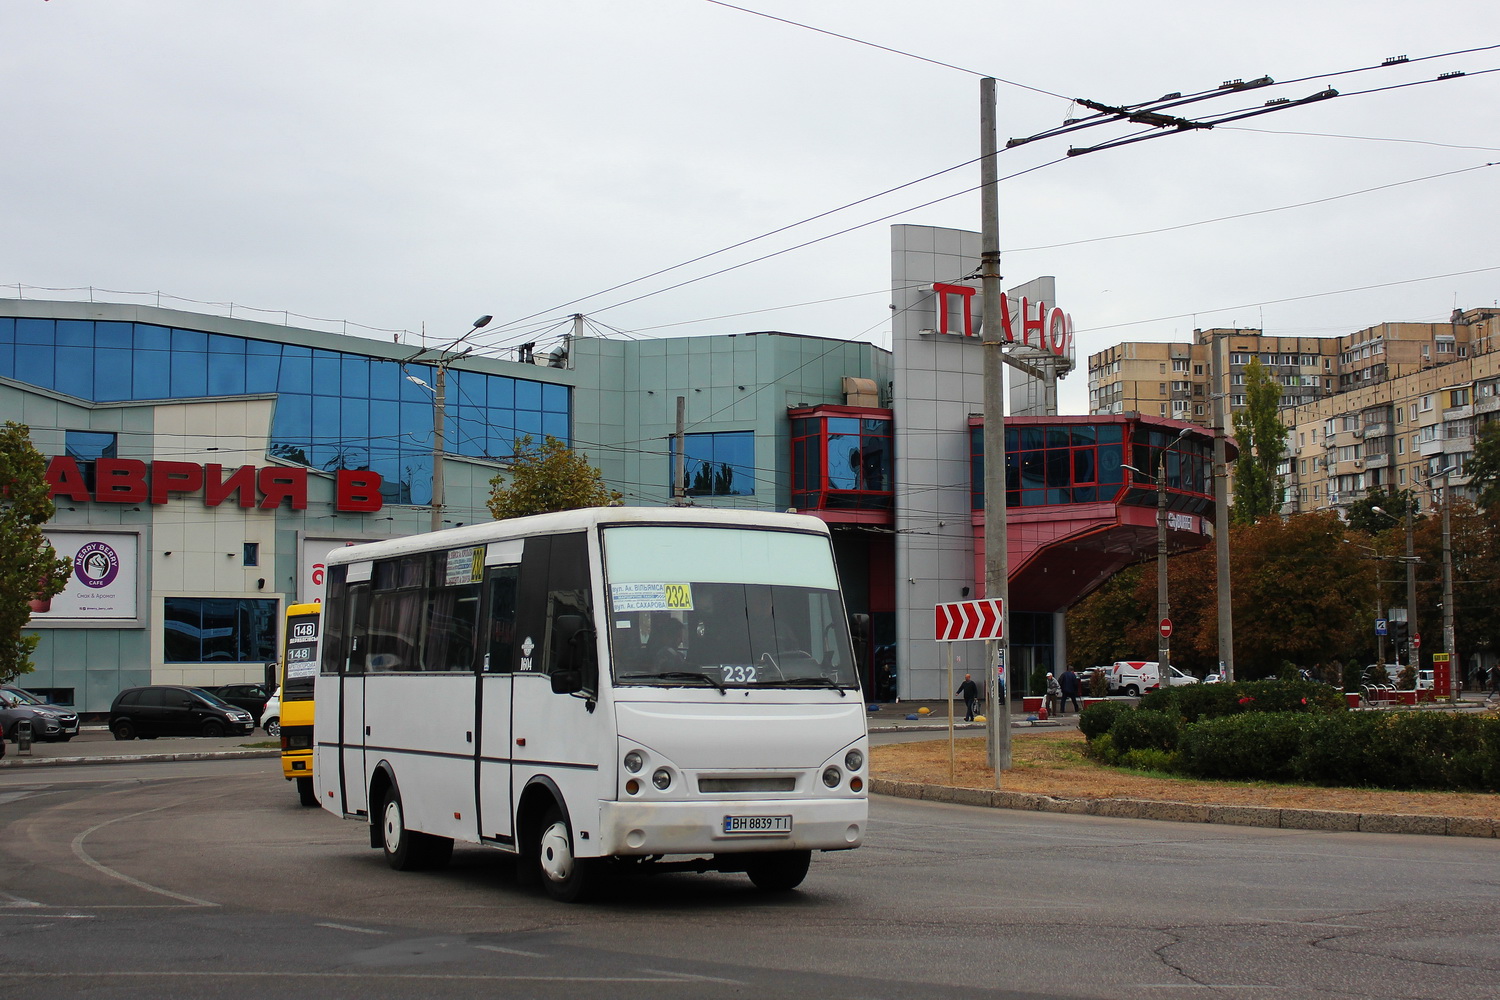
x=566, y=877
x=306, y=793
x=778, y=871
x=408, y=850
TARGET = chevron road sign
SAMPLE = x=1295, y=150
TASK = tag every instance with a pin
x=968, y=620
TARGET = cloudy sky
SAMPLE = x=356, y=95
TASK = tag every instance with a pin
x=690, y=166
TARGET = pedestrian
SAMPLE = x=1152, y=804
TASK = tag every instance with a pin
x=1054, y=694
x=970, y=692
x=1070, y=684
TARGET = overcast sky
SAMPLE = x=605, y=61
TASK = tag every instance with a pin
x=403, y=165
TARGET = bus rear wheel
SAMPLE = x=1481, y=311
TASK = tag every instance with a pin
x=778, y=871
x=408, y=850
x=566, y=877
x=306, y=794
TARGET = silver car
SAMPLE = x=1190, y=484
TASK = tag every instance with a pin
x=50, y=723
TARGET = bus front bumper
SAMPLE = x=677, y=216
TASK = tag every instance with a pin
x=633, y=829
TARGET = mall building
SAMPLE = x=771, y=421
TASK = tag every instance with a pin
x=204, y=466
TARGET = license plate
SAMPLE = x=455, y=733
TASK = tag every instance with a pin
x=757, y=824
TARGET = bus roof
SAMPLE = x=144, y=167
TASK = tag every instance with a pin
x=573, y=520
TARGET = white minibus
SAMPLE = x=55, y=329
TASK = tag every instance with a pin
x=658, y=688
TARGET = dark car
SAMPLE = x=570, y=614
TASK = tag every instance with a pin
x=175, y=710
x=251, y=697
x=49, y=722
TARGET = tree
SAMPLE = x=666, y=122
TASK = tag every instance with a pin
x=1300, y=594
x=1098, y=624
x=1262, y=440
x=1363, y=517
x=1484, y=467
x=547, y=478
x=29, y=567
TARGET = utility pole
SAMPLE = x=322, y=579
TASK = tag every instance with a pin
x=1221, y=511
x=996, y=554
x=1413, y=651
x=1163, y=607
x=439, y=409
x=439, y=392
x=679, y=461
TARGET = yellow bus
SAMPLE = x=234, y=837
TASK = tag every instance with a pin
x=299, y=668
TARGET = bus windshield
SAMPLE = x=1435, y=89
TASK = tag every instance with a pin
x=725, y=608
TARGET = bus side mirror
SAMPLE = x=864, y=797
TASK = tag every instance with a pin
x=567, y=681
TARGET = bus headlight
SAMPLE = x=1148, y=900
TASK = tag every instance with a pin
x=634, y=761
x=854, y=760
x=832, y=776
x=662, y=779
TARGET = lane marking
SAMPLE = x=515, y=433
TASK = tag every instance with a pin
x=694, y=977
x=510, y=951
x=349, y=927
x=104, y=869
x=283, y=974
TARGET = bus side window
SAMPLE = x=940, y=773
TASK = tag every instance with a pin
x=335, y=605
x=452, y=621
x=500, y=648
x=571, y=641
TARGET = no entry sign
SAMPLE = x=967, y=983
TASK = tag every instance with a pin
x=1166, y=628
x=968, y=620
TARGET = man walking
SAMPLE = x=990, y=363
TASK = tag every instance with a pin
x=970, y=692
x=1070, y=685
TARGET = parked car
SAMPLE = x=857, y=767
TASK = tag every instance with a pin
x=270, y=719
x=249, y=696
x=1135, y=677
x=50, y=723
x=175, y=710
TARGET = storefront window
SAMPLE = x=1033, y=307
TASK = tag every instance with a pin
x=218, y=630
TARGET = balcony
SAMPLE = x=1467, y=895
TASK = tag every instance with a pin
x=1375, y=430
x=1377, y=461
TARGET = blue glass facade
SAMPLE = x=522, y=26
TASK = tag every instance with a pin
x=716, y=463
x=335, y=409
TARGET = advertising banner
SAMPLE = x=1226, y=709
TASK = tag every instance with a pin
x=103, y=584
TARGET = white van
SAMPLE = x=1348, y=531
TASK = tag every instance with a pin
x=1133, y=677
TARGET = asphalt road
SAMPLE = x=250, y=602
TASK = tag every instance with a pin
x=206, y=879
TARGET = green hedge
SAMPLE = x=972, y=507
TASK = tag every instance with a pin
x=1431, y=750
x=1097, y=718
x=1192, y=702
x=1296, y=731
x=1144, y=730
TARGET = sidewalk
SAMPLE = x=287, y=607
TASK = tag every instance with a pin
x=97, y=745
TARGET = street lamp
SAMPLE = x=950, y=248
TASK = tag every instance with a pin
x=1163, y=608
x=439, y=408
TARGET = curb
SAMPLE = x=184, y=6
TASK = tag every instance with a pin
x=12, y=762
x=1188, y=812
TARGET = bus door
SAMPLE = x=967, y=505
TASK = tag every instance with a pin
x=498, y=658
x=353, y=783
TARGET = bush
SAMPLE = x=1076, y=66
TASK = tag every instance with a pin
x=1382, y=750
x=1144, y=730
x=1096, y=720
x=1149, y=760
x=1251, y=745
x=1193, y=702
x=1102, y=749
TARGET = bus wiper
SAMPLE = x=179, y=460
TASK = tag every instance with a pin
x=686, y=675
x=806, y=681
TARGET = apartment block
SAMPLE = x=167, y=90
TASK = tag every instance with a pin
x=1391, y=406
